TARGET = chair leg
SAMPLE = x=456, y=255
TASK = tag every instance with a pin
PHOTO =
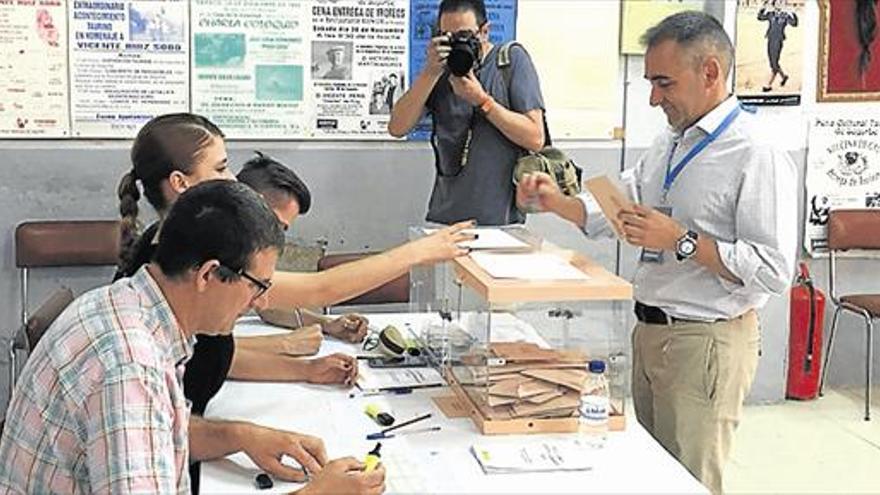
x=869, y=326
x=828, y=351
x=13, y=363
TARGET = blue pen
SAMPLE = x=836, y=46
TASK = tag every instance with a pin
x=380, y=435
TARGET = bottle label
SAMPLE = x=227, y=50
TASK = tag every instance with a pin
x=594, y=409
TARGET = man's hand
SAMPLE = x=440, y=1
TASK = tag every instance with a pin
x=346, y=475
x=349, y=328
x=438, y=52
x=336, y=368
x=266, y=446
x=537, y=192
x=302, y=342
x=469, y=89
x=648, y=228
x=442, y=245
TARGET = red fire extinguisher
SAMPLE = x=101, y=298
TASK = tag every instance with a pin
x=807, y=313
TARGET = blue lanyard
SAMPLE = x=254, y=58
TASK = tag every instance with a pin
x=673, y=172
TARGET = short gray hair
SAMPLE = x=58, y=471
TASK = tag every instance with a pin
x=690, y=29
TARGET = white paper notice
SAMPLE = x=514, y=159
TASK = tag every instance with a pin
x=249, y=66
x=360, y=59
x=532, y=266
x=385, y=378
x=33, y=81
x=129, y=63
x=534, y=456
x=489, y=239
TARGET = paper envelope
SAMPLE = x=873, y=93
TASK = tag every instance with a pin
x=611, y=200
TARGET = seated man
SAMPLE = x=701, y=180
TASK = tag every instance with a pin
x=289, y=197
x=100, y=404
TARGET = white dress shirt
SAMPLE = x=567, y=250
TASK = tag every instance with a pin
x=741, y=190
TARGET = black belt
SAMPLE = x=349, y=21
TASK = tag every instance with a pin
x=656, y=316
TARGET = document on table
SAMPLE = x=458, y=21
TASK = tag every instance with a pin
x=386, y=378
x=490, y=238
x=534, y=456
x=531, y=266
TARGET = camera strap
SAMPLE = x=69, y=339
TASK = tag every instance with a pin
x=467, y=141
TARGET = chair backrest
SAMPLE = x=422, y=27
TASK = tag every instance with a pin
x=854, y=229
x=66, y=243
x=52, y=243
x=46, y=314
x=850, y=229
x=393, y=291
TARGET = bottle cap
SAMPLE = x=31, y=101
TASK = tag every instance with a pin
x=597, y=366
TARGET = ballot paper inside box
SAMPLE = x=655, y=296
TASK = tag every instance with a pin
x=515, y=350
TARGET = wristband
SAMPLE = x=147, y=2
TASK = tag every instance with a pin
x=487, y=105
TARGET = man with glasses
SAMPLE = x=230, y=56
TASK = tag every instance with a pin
x=482, y=122
x=100, y=405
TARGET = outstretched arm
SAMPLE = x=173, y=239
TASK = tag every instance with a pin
x=293, y=289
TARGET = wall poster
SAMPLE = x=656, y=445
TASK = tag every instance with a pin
x=359, y=66
x=33, y=69
x=769, y=51
x=843, y=171
x=249, y=61
x=128, y=63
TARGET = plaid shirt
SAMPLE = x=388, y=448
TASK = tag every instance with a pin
x=100, y=405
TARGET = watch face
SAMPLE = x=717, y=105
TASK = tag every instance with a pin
x=688, y=247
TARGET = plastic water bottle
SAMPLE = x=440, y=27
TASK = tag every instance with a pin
x=594, y=406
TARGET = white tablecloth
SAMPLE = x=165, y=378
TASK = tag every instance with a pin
x=435, y=462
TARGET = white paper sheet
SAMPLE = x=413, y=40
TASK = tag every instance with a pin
x=489, y=239
x=534, y=456
x=385, y=378
x=531, y=266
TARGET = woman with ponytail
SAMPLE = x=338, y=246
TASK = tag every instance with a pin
x=170, y=154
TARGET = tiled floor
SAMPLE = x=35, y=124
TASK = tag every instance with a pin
x=821, y=446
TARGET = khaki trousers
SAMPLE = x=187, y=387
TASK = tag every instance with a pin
x=689, y=383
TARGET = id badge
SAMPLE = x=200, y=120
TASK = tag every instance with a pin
x=655, y=255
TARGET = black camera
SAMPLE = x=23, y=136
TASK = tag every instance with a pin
x=465, y=53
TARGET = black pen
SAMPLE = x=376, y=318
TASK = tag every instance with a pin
x=407, y=423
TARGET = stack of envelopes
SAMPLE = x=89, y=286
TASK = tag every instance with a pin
x=533, y=382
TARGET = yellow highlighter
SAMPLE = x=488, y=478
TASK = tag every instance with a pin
x=383, y=418
x=373, y=458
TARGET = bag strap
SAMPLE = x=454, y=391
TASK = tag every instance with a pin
x=505, y=66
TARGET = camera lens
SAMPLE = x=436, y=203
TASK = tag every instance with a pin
x=460, y=61
x=464, y=53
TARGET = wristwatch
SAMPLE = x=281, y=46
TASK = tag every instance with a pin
x=686, y=246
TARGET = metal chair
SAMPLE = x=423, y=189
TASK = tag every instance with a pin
x=852, y=229
x=44, y=244
x=393, y=291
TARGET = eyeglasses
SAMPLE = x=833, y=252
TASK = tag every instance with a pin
x=371, y=341
x=262, y=286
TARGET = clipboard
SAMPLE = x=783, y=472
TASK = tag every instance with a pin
x=611, y=200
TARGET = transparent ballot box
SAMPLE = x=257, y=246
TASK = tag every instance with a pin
x=515, y=350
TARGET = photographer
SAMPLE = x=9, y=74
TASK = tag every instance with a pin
x=482, y=124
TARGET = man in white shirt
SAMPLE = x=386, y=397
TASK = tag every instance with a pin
x=717, y=227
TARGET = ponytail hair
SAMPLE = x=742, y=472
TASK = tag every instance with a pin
x=165, y=144
x=866, y=29
x=129, y=226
